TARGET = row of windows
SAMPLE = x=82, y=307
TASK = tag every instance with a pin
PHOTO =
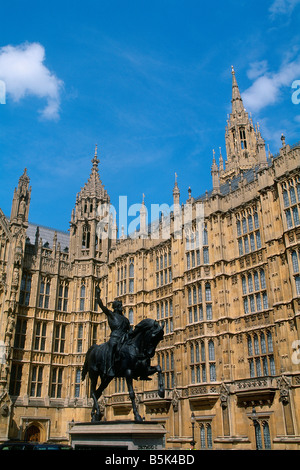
x=193, y=245
x=125, y=278
x=166, y=362
x=164, y=314
x=248, y=231
x=164, y=260
x=44, y=294
x=197, y=309
x=59, y=335
x=164, y=268
x=193, y=258
x=296, y=263
x=260, y=354
x=255, y=297
x=202, y=363
x=291, y=201
x=254, y=282
x=37, y=379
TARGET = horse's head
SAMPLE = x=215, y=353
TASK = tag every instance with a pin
x=150, y=333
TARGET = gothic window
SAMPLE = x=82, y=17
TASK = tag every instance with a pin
x=291, y=201
x=243, y=138
x=260, y=354
x=296, y=264
x=248, y=233
x=262, y=435
x=130, y=316
x=82, y=298
x=15, y=379
x=165, y=314
x=206, y=441
x=63, y=292
x=125, y=277
x=86, y=235
x=207, y=292
x=199, y=363
x=79, y=338
x=131, y=275
x=166, y=362
x=77, y=382
x=20, y=334
x=195, y=303
x=36, y=381
x=40, y=336
x=44, y=293
x=59, y=338
x=25, y=289
x=56, y=382
x=164, y=268
x=194, y=247
x=255, y=297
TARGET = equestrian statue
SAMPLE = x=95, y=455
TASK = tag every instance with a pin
x=127, y=354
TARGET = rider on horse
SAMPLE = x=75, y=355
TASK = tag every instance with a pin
x=120, y=328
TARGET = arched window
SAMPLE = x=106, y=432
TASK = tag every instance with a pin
x=207, y=292
x=266, y=432
x=86, y=237
x=244, y=285
x=270, y=342
x=256, y=345
x=295, y=262
x=211, y=350
x=250, y=283
x=192, y=354
x=258, y=439
x=130, y=316
x=250, y=349
x=263, y=344
x=82, y=297
x=256, y=281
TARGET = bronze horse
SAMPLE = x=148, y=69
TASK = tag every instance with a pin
x=132, y=362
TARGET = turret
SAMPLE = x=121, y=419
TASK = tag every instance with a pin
x=91, y=230
x=21, y=201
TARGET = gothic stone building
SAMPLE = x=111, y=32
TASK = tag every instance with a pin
x=230, y=306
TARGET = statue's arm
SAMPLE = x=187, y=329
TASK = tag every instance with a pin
x=100, y=303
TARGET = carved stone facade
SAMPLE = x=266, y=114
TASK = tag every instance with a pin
x=230, y=305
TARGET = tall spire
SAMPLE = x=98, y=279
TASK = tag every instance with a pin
x=176, y=192
x=94, y=187
x=237, y=102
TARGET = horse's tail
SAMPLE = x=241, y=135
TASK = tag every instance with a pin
x=85, y=368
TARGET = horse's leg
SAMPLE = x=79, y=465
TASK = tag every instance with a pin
x=132, y=396
x=161, y=387
x=95, y=413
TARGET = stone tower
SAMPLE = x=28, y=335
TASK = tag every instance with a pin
x=92, y=228
x=245, y=146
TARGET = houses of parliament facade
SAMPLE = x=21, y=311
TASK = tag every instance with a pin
x=227, y=295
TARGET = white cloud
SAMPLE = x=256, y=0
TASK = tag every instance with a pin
x=281, y=7
x=24, y=73
x=267, y=87
x=257, y=69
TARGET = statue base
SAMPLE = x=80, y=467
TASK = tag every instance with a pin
x=118, y=436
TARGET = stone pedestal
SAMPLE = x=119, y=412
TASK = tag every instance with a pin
x=118, y=435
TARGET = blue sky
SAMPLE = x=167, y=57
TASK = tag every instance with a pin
x=149, y=82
